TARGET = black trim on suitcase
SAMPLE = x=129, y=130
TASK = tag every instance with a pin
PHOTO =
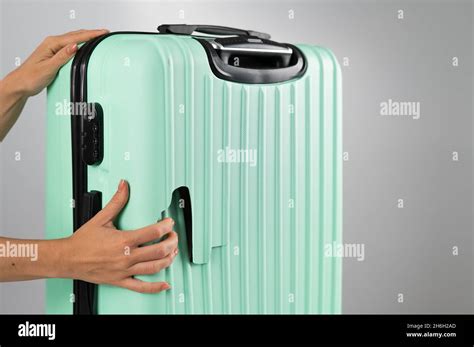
x=84, y=292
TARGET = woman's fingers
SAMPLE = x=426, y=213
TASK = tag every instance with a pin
x=56, y=43
x=154, y=266
x=157, y=250
x=115, y=205
x=151, y=232
x=80, y=36
x=142, y=286
x=63, y=56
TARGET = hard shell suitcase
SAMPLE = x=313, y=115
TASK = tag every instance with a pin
x=235, y=136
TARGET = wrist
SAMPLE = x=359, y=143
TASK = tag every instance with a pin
x=55, y=258
x=15, y=85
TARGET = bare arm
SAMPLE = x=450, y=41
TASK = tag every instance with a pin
x=21, y=260
x=36, y=73
x=12, y=101
x=97, y=252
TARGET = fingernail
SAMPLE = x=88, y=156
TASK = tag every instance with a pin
x=121, y=185
x=171, y=221
x=176, y=251
x=72, y=49
x=166, y=286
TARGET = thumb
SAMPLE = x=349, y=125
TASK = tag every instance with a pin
x=115, y=205
x=63, y=56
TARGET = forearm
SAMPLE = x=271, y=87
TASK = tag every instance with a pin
x=12, y=100
x=31, y=259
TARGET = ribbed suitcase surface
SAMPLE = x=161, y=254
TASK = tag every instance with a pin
x=262, y=163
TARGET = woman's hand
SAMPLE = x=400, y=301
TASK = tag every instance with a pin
x=100, y=253
x=41, y=67
x=36, y=73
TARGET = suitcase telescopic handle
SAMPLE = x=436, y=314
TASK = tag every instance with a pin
x=208, y=30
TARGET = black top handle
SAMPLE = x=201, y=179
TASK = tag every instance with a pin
x=208, y=30
x=243, y=56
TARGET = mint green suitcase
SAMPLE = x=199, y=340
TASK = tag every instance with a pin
x=236, y=137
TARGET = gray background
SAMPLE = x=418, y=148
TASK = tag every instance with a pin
x=407, y=250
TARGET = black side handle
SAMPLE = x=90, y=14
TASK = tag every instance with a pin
x=208, y=30
x=92, y=203
x=86, y=302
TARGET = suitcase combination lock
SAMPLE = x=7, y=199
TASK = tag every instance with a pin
x=92, y=144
